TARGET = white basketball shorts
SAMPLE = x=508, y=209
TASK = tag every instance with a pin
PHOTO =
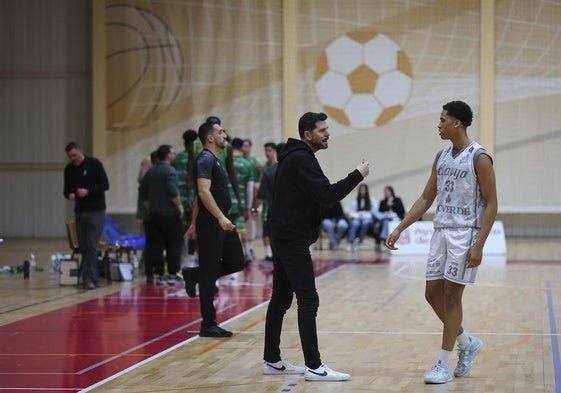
x=447, y=255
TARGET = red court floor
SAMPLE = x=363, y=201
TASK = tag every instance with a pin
x=75, y=347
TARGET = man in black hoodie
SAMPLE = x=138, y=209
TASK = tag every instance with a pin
x=299, y=190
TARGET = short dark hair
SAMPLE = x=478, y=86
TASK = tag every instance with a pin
x=280, y=146
x=72, y=146
x=205, y=129
x=248, y=141
x=308, y=122
x=154, y=157
x=237, y=143
x=189, y=136
x=213, y=120
x=163, y=151
x=460, y=110
x=272, y=145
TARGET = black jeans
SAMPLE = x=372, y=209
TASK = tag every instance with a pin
x=293, y=274
x=220, y=254
x=165, y=232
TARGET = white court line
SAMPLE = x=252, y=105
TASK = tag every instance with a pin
x=179, y=345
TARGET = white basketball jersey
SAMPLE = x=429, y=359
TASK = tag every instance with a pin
x=459, y=200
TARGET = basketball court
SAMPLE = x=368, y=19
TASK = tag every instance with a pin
x=373, y=322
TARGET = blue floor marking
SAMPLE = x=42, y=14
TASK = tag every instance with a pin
x=554, y=342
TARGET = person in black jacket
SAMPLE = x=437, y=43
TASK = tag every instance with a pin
x=85, y=183
x=391, y=208
x=299, y=190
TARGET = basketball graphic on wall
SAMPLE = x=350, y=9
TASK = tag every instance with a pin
x=363, y=79
x=144, y=67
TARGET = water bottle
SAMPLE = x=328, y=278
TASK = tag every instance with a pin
x=135, y=264
x=32, y=264
x=54, y=267
x=26, y=270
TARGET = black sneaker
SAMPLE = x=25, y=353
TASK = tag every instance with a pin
x=214, y=331
x=190, y=283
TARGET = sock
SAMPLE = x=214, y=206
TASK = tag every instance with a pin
x=444, y=356
x=248, y=249
x=463, y=339
x=268, y=251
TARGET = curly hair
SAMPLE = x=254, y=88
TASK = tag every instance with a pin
x=460, y=110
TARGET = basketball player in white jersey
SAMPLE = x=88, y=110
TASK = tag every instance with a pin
x=463, y=182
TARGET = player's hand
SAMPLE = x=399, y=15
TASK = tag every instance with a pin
x=392, y=239
x=474, y=257
x=364, y=168
x=72, y=197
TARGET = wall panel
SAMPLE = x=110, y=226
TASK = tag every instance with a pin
x=45, y=101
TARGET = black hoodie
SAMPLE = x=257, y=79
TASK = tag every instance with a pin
x=299, y=190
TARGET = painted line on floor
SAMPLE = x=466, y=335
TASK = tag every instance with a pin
x=554, y=342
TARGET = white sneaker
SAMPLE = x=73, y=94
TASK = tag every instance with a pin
x=467, y=356
x=439, y=373
x=281, y=367
x=324, y=373
x=349, y=247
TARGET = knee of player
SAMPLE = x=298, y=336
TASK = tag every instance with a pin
x=308, y=300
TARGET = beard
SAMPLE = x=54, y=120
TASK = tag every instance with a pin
x=320, y=144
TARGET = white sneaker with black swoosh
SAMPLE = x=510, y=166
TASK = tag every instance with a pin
x=324, y=373
x=281, y=367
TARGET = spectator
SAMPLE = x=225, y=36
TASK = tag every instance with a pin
x=390, y=209
x=334, y=222
x=361, y=217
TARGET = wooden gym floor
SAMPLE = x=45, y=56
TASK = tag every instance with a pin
x=373, y=323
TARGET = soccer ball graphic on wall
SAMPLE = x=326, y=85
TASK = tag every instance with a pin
x=363, y=79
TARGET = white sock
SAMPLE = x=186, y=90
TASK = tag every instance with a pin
x=463, y=339
x=445, y=356
x=247, y=245
x=268, y=251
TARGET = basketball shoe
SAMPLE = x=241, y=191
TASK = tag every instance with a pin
x=467, y=356
x=439, y=373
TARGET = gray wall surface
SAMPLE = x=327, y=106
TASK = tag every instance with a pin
x=45, y=101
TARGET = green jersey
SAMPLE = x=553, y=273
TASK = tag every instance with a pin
x=186, y=190
x=253, y=162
